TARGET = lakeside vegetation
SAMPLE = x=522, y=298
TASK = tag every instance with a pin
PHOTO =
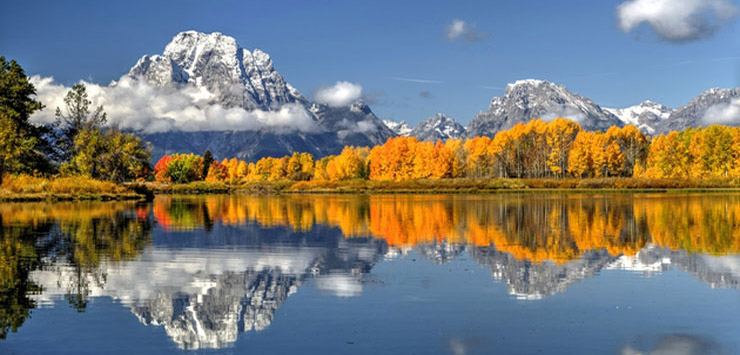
x=80, y=156
x=535, y=155
x=30, y=188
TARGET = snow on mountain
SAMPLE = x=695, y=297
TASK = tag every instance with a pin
x=234, y=77
x=433, y=128
x=525, y=100
x=646, y=116
x=399, y=128
x=714, y=106
x=438, y=127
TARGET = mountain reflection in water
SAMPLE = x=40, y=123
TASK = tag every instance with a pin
x=209, y=268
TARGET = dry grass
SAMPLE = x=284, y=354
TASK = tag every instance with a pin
x=25, y=187
x=425, y=185
x=462, y=185
x=195, y=187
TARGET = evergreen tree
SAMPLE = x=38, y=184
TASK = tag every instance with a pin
x=207, y=160
x=76, y=119
x=19, y=139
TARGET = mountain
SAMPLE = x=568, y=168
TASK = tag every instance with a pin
x=233, y=77
x=433, y=128
x=399, y=128
x=525, y=100
x=438, y=127
x=647, y=116
x=702, y=110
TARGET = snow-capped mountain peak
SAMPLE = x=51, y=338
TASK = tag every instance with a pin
x=214, y=61
x=400, y=128
x=646, y=116
x=234, y=77
x=438, y=127
x=528, y=99
x=714, y=106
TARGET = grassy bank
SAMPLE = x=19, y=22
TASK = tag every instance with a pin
x=455, y=186
x=29, y=188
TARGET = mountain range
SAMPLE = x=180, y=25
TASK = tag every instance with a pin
x=234, y=77
x=528, y=99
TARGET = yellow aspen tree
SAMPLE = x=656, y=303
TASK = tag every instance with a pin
x=579, y=159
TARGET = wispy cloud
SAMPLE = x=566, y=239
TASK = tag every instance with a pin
x=415, y=80
x=676, y=21
x=463, y=30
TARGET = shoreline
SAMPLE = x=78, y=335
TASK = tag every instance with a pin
x=148, y=190
x=455, y=186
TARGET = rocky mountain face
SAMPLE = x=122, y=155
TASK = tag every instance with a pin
x=528, y=99
x=434, y=128
x=698, y=112
x=648, y=116
x=232, y=76
x=438, y=127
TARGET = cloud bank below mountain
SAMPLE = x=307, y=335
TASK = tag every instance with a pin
x=137, y=105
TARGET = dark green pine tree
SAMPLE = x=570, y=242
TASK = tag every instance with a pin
x=207, y=160
x=19, y=139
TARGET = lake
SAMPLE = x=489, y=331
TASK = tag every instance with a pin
x=373, y=274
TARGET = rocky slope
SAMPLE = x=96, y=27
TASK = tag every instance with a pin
x=709, y=107
x=438, y=127
x=528, y=99
x=433, y=128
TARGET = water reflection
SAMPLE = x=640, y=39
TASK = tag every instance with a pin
x=77, y=235
x=218, y=266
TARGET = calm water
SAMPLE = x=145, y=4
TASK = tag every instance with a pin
x=614, y=274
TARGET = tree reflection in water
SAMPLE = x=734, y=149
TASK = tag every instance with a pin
x=221, y=265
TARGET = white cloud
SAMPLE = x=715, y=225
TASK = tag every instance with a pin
x=459, y=29
x=726, y=113
x=676, y=20
x=135, y=104
x=340, y=94
x=565, y=111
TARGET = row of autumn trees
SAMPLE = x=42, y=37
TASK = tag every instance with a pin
x=537, y=149
x=77, y=143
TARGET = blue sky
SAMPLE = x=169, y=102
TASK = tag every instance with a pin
x=581, y=44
